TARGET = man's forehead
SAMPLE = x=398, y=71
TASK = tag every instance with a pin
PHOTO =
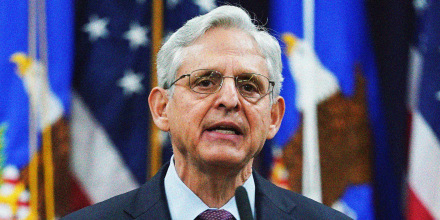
x=229, y=43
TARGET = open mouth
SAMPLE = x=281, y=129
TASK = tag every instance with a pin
x=226, y=129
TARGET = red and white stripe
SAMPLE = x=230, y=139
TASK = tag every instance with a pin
x=97, y=166
x=424, y=171
x=423, y=201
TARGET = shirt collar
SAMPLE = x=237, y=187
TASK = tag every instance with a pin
x=184, y=204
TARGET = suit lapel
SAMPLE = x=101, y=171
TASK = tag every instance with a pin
x=149, y=202
x=271, y=202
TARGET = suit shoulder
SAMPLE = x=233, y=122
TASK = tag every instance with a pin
x=295, y=204
x=307, y=207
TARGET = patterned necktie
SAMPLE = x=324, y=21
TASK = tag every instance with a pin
x=215, y=214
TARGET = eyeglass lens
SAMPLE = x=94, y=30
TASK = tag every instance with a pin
x=248, y=84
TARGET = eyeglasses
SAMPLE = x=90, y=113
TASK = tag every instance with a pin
x=252, y=86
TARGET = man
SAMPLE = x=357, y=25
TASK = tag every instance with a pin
x=218, y=97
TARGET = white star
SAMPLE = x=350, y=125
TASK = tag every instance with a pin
x=205, y=5
x=96, y=27
x=137, y=35
x=172, y=3
x=420, y=5
x=131, y=83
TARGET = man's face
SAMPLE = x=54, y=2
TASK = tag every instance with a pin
x=221, y=129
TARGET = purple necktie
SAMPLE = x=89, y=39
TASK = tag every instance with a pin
x=215, y=214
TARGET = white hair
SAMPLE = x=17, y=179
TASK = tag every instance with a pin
x=170, y=56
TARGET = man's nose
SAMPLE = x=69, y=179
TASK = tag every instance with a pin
x=228, y=94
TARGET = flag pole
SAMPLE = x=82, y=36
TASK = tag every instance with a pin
x=33, y=124
x=157, y=33
x=46, y=128
x=311, y=177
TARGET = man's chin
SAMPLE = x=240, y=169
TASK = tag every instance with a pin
x=225, y=161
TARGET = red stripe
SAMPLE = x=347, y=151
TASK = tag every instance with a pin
x=79, y=196
x=11, y=181
x=416, y=210
x=21, y=204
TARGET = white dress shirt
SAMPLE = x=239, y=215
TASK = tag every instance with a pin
x=185, y=205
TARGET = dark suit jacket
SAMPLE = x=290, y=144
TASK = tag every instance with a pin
x=149, y=202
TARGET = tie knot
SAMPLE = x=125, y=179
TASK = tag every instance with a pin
x=215, y=214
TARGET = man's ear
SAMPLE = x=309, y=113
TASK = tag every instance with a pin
x=277, y=114
x=158, y=101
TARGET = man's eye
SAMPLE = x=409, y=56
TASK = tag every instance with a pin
x=249, y=88
x=204, y=83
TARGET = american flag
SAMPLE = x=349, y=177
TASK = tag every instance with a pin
x=110, y=117
x=424, y=168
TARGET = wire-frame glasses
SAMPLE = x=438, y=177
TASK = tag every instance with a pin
x=252, y=86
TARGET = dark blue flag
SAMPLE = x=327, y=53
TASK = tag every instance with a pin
x=35, y=67
x=338, y=59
